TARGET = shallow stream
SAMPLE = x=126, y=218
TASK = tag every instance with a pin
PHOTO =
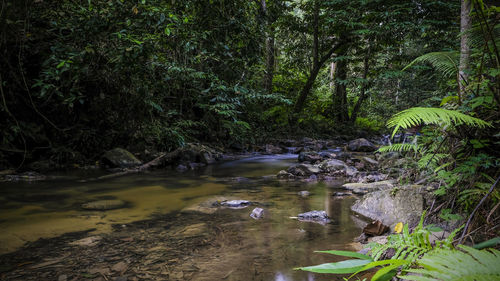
x=267, y=249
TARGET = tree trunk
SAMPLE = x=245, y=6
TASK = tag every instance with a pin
x=362, y=95
x=340, y=110
x=465, y=25
x=267, y=21
x=268, y=78
x=299, y=104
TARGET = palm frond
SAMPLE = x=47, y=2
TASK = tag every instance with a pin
x=444, y=62
x=451, y=264
x=430, y=115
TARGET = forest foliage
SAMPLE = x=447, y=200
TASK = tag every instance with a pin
x=80, y=77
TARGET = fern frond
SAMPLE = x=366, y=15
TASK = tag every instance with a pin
x=451, y=264
x=399, y=147
x=444, y=62
x=430, y=115
x=431, y=158
x=408, y=246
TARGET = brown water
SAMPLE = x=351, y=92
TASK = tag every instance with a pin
x=269, y=248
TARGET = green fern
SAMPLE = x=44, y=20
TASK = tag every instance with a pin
x=444, y=62
x=429, y=115
x=410, y=246
x=431, y=158
x=399, y=147
x=451, y=264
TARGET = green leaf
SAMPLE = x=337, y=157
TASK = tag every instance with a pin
x=346, y=254
x=416, y=116
x=487, y=244
x=342, y=267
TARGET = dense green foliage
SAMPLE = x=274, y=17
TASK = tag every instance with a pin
x=80, y=77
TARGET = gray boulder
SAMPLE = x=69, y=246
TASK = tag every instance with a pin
x=362, y=188
x=284, y=175
x=273, y=149
x=303, y=170
x=362, y=145
x=120, y=158
x=333, y=165
x=309, y=156
x=404, y=204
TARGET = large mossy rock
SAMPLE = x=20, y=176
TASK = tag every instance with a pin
x=362, y=145
x=402, y=204
x=121, y=158
x=198, y=153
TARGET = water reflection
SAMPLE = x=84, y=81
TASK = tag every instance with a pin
x=266, y=249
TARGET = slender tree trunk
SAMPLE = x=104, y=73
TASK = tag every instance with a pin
x=266, y=20
x=340, y=110
x=362, y=95
x=299, y=104
x=268, y=77
x=332, y=75
x=465, y=25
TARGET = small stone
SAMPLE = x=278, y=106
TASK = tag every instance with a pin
x=304, y=193
x=257, y=213
x=341, y=194
x=62, y=277
x=314, y=216
x=361, y=145
x=235, y=204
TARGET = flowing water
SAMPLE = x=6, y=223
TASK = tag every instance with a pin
x=268, y=249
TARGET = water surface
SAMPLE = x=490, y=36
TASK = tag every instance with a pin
x=266, y=249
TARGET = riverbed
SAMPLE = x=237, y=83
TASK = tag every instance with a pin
x=169, y=228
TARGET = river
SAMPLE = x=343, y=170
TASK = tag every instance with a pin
x=235, y=246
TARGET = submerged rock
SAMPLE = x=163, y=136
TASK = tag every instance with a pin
x=103, y=205
x=196, y=229
x=362, y=145
x=314, y=216
x=120, y=158
x=236, y=204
